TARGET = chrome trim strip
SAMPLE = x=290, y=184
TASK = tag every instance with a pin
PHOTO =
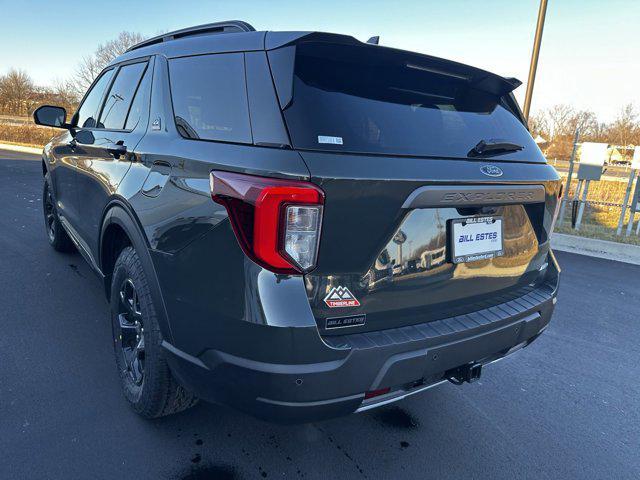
x=431, y=196
x=80, y=244
x=395, y=397
x=317, y=403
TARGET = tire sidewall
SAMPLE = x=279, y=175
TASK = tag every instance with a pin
x=60, y=241
x=46, y=191
x=129, y=266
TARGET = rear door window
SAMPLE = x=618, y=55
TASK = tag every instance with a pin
x=210, y=97
x=89, y=108
x=118, y=100
x=140, y=105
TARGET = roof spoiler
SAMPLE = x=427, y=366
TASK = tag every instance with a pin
x=477, y=78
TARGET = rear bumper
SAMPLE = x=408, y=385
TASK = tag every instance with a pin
x=406, y=360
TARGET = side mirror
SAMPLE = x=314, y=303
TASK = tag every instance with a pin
x=51, y=116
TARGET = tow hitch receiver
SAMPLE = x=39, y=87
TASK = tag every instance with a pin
x=465, y=373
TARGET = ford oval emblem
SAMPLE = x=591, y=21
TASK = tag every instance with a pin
x=491, y=170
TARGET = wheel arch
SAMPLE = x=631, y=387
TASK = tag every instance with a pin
x=120, y=228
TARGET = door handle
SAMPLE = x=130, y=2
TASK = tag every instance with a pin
x=117, y=149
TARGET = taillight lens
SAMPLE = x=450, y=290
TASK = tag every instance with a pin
x=302, y=234
x=277, y=222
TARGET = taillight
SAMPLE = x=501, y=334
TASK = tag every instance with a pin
x=277, y=222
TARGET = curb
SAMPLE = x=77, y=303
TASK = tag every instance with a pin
x=20, y=148
x=591, y=247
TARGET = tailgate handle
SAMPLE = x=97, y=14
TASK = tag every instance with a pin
x=431, y=196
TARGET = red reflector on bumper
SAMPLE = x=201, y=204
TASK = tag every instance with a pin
x=376, y=393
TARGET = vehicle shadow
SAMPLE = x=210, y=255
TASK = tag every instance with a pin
x=256, y=448
x=439, y=433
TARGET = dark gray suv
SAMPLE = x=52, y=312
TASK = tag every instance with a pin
x=301, y=225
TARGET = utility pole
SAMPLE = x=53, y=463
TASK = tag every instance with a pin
x=534, y=57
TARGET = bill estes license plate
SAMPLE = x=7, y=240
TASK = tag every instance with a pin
x=476, y=238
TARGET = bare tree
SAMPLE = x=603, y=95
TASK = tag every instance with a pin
x=562, y=120
x=558, y=124
x=19, y=95
x=539, y=125
x=559, y=117
x=601, y=132
x=62, y=93
x=90, y=66
x=626, y=129
x=16, y=92
x=66, y=94
x=584, y=120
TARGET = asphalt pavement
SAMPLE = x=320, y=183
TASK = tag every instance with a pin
x=566, y=407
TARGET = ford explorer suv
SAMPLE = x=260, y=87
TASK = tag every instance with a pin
x=301, y=225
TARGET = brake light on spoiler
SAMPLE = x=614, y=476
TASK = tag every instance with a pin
x=277, y=222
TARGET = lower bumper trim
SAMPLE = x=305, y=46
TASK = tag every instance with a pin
x=393, y=397
x=318, y=403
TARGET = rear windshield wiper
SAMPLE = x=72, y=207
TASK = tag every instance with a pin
x=494, y=147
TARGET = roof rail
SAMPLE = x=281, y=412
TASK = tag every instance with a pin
x=231, y=26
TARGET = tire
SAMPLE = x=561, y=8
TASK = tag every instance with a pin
x=147, y=382
x=56, y=234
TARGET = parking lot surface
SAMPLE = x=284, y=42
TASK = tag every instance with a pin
x=568, y=406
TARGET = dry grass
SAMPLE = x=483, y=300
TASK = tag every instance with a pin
x=30, y=135
x=600, y=221
x=602, y=191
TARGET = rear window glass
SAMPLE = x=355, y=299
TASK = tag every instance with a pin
x=368, y=99
x=210, y=97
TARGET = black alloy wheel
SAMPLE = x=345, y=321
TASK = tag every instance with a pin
x=130, y=335
x=50, y=220
x=56, y=234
